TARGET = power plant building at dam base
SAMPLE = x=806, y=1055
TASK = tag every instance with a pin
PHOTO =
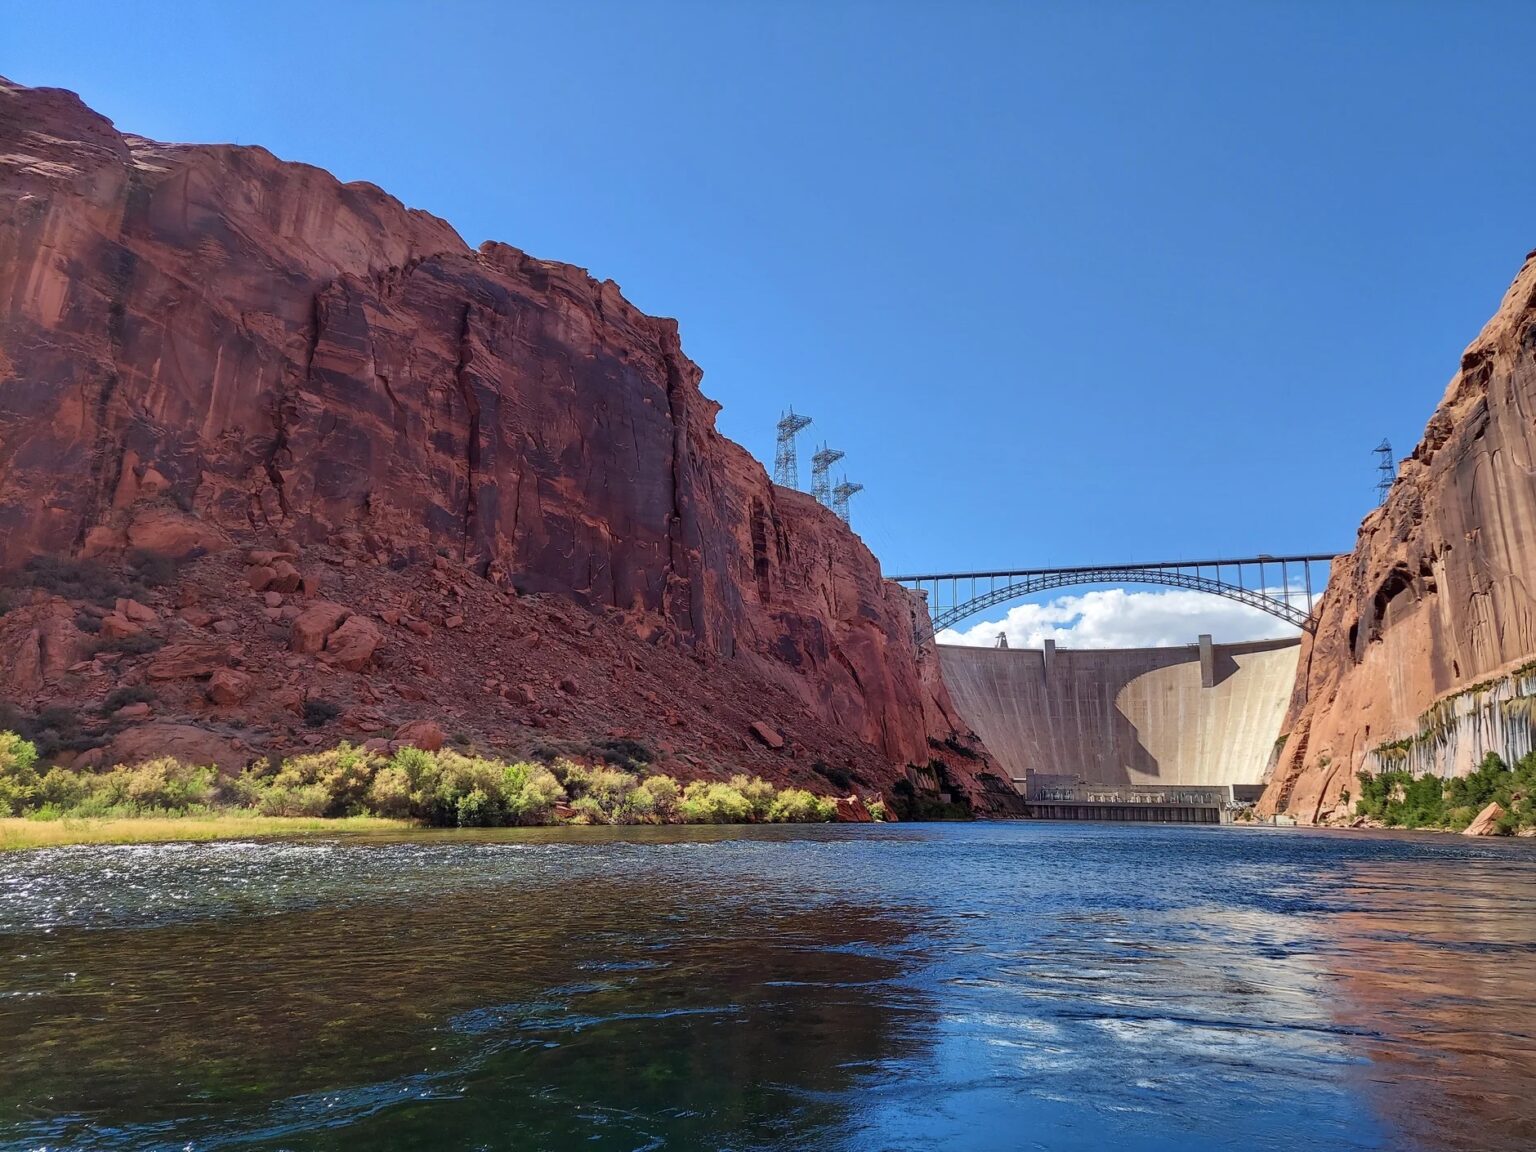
x=1175, y=733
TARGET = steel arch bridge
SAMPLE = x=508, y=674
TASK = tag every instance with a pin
x=1252, y=580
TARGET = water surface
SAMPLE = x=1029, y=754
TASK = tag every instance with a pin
x=990, y=986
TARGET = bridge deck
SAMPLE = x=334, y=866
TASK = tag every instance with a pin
x=1251, y=580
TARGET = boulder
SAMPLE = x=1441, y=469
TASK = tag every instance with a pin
x=118, y=627
x=168, y=532
x=311, y=626
x=259, y=576
x=427, y=735
x=767, y=734
x=227, y=686
x=353, y=643
x=851, y=810
x=192, y=660
x=138, y=613
x=1486, y=822
x=184, y=742
x=285, y=577
x=135, y=711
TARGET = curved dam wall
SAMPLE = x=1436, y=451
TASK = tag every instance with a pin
x=1202, y=714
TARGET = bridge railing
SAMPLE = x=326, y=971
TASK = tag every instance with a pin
x=1192, y=795
x=953, y=596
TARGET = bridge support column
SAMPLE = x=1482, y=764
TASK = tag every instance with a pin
x=1207, y=661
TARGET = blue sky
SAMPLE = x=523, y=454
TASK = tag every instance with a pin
x=1069, y=283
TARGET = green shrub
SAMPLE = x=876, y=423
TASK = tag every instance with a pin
x=303, y=800
x=62, y=789
x=531, y=792
x=121, y=697
x=588, y=811
x=711, y=802
x=624, y=753
x=797, y=806
x=18, y=775
x=136, y=645
x=71, y=579
x=446, y=788
x=390, y=792
x=757, y=792
x=660, y=794
x=318, y=713
x=573, y=777
x=346, y=773
x=1398, y=798
x=477, y=809
x=163, y=784
x=151, y=569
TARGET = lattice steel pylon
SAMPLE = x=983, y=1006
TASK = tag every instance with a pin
x=1386, y=470
x=840, y=497
x=786, y=468
x=821, y=483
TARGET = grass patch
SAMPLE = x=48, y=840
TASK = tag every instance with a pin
x=20, y=832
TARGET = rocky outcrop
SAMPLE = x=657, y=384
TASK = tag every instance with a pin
x=204, y=346
x=1486, y=822
x=1423, y=656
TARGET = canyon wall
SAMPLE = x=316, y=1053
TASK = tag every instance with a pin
x=203, y=348
x=1427, y=631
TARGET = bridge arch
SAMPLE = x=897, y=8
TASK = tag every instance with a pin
x=955, y=596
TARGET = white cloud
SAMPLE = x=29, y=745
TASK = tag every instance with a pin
x=1115, y=618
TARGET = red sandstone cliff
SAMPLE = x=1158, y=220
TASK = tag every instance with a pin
x=1427, y=628
x=204, y=349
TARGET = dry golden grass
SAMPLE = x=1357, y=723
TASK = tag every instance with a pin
x=20, y=833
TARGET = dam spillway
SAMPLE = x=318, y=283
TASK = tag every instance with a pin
x=1203, y=715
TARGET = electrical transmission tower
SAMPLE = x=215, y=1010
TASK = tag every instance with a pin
x=1386, y=470
x=840, y=496
x=821, y=483
x=786, y=468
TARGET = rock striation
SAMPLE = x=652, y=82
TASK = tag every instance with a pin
x=204, y=348
x=1423, y=656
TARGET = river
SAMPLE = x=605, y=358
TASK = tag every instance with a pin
x=982, y=986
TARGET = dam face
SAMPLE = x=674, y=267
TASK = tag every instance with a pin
x=1207, y=714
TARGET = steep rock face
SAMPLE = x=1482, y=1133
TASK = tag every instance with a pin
x=203, y=346
x=1427, y=628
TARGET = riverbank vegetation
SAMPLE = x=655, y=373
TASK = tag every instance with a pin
x=22, y=832
x=445, y=788
x=1400, y=799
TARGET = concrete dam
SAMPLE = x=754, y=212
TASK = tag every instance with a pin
x=1170, y=726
